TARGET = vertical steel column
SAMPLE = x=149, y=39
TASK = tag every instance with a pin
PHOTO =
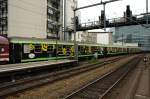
x=122, y=39
x=64, y=36
x=56, y=45
x=104, y=18
x=3, y=17
x=75, y=42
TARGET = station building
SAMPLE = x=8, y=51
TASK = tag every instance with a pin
x=30, y=18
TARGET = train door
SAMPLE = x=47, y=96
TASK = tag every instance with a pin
x=105, y=51
x=16, y=53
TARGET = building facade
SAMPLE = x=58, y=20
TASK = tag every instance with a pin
x=104, y=37
x=86, y=37
x=68, y=24
x=3, y=17
x=133, y=34
x=30, y=18
x=54, y=18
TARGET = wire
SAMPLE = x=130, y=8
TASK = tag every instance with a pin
x=137, y=22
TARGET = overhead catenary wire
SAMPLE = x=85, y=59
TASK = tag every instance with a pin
x=137, y=22
x=38, y=13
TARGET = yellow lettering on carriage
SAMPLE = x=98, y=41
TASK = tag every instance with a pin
x=64, y=51
x=32, y=47
x=44, y=47
x=72, y=51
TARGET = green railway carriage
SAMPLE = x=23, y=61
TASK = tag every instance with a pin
x=25, y=49
x=33, y=49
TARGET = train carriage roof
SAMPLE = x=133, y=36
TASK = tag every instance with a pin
x=90, y=44
x=46, y=41
x=3, y=40
x=36, y=41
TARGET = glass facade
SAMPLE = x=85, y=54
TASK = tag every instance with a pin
x=133, y=34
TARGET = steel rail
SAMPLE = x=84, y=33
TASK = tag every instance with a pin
x=14, y=87
x=79, y=91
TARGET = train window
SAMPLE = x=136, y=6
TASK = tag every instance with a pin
x=50, y=48
x=59, y=48
x=90, y=51
x=82, y=49
x=86, y=49
x=79, y=48
x=38, y=49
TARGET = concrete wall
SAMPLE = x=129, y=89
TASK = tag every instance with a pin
x=61, y=35
x=27, y=18
x=103, y=38
x=68, y=18
x=69, y=13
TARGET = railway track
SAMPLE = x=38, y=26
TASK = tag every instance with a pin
x=31, y=82
x=103, y=85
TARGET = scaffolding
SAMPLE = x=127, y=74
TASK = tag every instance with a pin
x=3, y=17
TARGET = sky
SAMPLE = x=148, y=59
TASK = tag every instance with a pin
x=113, y=10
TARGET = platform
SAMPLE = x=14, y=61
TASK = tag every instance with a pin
x=34, y=65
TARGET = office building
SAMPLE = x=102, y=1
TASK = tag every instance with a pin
x=133, y=34
x=31, y=18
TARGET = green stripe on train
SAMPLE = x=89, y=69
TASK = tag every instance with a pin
x=41, y=59
x=63, y=57
x=51, y=58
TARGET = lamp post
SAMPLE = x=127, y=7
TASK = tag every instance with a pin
x=57, y=30
x=64, y=17
x=147, y=12
x=75, y=42
x=104, y=17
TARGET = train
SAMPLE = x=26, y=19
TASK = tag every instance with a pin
x=18, y=50
x=4, y=49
